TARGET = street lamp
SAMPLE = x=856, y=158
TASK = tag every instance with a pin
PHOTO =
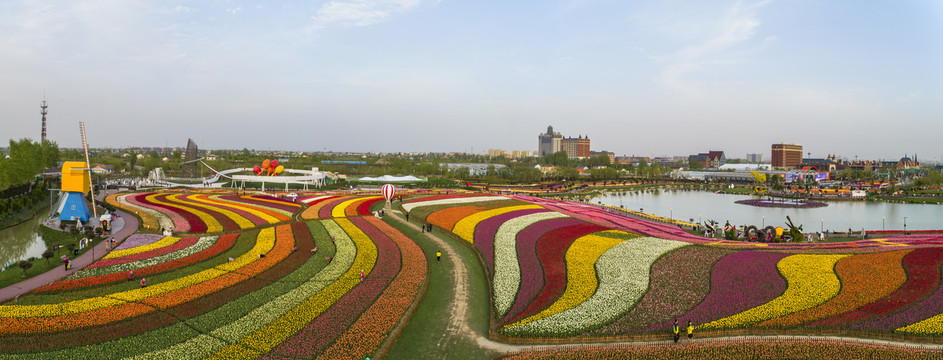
x=822, y=228
x=882, y=223
x=764, y=220
x=671, y=213
x=905, y=225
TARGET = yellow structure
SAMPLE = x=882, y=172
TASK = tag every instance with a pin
x=75, y=177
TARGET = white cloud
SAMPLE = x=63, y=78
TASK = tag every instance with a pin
x=360, y=12
x=183, y=9
x=722, y=46
x=234, y=10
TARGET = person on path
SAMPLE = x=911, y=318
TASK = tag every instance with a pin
x=407, y=217
x=438, y=255
x=690, y=330
x=422, y=228
x=676, y=330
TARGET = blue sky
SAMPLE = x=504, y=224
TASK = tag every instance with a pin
x=639, y=77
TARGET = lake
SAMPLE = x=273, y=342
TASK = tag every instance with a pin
x=837, y=216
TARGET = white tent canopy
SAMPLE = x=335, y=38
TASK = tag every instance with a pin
x=389, y=178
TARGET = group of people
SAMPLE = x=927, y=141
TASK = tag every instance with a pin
x=676, y=330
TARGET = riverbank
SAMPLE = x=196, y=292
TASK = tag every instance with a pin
x=23, y=215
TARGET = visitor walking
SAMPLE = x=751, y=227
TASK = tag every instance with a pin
x=676, y=330
x=690, y=330
x=438, y=255
x=407, y=217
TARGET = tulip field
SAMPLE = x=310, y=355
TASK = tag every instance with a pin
x=561, y=269
x=257, y=290
x=324, y=276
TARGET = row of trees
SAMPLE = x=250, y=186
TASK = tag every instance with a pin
x=27, y=159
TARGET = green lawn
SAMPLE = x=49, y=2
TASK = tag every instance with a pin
x=419, y=337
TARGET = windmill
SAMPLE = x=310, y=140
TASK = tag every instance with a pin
x=76, y=182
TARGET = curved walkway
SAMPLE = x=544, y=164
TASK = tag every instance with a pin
x=458, y=327
x=129, y=227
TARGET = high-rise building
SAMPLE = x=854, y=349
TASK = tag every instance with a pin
x=786, y=155
x=549, y=143
x=576, y=148
x=755, y=158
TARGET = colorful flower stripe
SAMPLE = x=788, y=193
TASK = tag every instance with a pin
x=581, y=281
x=193, y=222
x=327, y=327
x=923, y=277
x=327, y=208
x=465, y=228
x=446, y=218
x=487, y=229
x=678, y=282
x=507, y=270
x=623, y=273
x=167, y=241
x=252, y=214
x=148, y=217
x=270, y=335
x=202, y=244
x=168, y=262
x=441, y=197
x=811, y=282
x=367, y=334
x=182, y=244
x=865, y=278
x=924, y=309
x=230, y=219
x=285, y=206
x=136, y=240
x=262, y=246
x=188, y=309
x=735, y=350
x=409, y=206
x=278, y=207
x=552, y=249
x=739, y=281
x=160, y=300
x=314, y=208
x=532, y=274
x=364, y=207
x=309, y=200
x=164, y=220
x=213, y=339
x=216, y=220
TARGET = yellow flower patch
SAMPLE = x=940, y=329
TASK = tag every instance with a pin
x=811, y=281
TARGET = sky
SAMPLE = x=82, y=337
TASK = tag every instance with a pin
x=646, y=78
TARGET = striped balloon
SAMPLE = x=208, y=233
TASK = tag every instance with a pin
x=388, y=190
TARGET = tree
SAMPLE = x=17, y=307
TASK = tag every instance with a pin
x=25, y=265
x=694, y=164
x=48, y=254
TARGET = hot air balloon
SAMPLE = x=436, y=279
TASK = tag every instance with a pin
x=388, y=190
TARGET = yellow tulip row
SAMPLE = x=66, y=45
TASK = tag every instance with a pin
x=167, y=241
x=581, y=278
x=265, y=243
x=211, y=224
x=271, y=335
x=465, y=228
x=811, y=281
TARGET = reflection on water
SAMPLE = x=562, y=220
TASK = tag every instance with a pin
x=837, y=216
x=22, y=241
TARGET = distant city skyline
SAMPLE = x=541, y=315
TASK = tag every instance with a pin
x=650, y=78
